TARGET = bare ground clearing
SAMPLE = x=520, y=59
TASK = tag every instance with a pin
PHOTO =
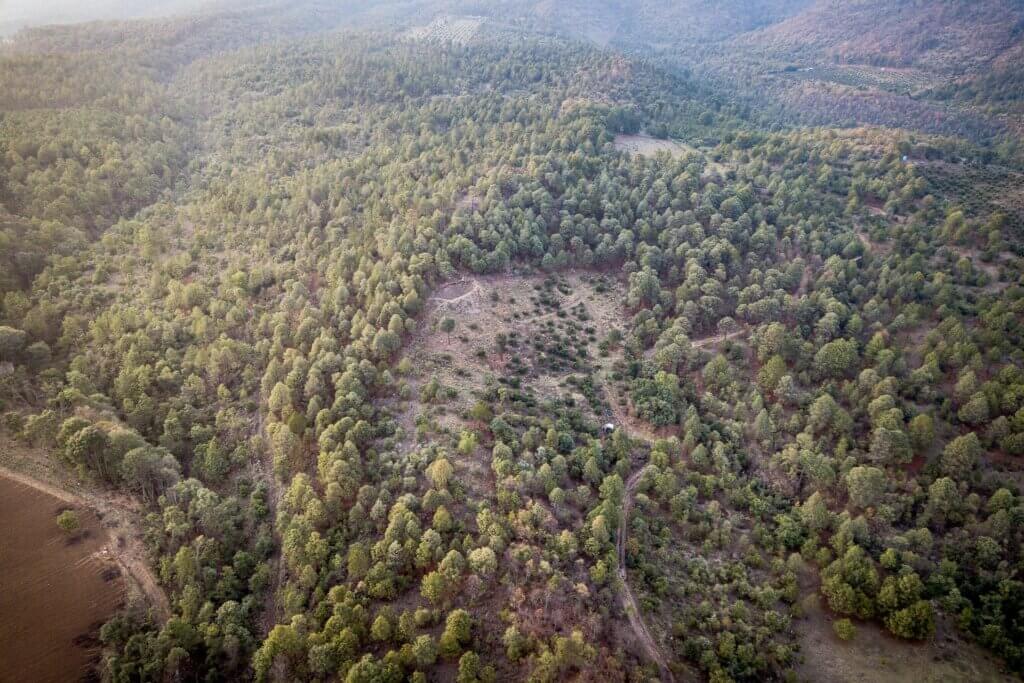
x=648, y=146
x=538, y=315
x=645, y=145
x=120, y=516
x=455, y=29
x=872, y=246
x=527, y=313
x=873, y=656
x=59, y=586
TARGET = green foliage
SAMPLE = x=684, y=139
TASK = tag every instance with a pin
x=916, y=622
x=850, y=583
x=211, y=258
x=483, y=561
x=12, y=343
x=844, y=629
x=657, y=399
x=865, y=486
x=456, y=633
x=836, y=358
x=922, y=432
x=960, y=456
x=68, y=521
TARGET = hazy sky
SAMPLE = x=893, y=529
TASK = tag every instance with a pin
x=17, y=13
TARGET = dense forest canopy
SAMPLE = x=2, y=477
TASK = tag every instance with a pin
x=450, y=340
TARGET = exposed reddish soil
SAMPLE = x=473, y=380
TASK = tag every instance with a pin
x=56, y=588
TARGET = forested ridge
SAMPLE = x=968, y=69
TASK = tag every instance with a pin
x=222, y=245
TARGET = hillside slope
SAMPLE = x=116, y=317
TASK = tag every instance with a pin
x=435, y=345
x=938, y=35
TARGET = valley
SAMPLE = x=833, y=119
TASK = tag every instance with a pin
x=439, y=340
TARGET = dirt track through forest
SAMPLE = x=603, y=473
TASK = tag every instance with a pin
x=629, y=603
x=263, y=470
x=466, y=293
x=635, y=429
x=717, y=339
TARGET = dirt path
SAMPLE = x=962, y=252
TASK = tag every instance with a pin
x=704, y=342
x=129, y=556
x=629, y=603
x=475, y=288
x=263, y=470
x=634, y=428
x=805, y=281
x=269, y=618
x=717, y=339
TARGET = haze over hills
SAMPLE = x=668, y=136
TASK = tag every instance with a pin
x=955, y=37
x=515, y=340
x=18, y=14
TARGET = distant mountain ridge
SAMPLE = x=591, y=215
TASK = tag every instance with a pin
x=877, y=62
x=936, y=34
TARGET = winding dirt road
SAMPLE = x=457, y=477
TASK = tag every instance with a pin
x=629, y=603
x=638, y=430
x=634, y=430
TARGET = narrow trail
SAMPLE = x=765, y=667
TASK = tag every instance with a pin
x=130, y=557
x=630, y=606
x=269, y=618
x=629, y=602
x=264, y=471
x=633, y=427
x=805, y=281
x=717, y=339
x=475, y=289
x=637, y=430
x=705, y=342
